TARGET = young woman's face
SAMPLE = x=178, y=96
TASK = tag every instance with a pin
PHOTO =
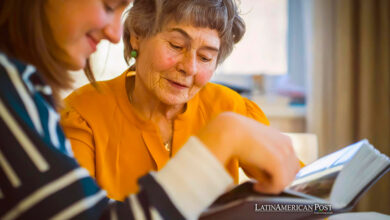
x=78, y=26
x=177, y=62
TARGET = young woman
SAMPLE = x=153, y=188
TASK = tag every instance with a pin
x=39, y=41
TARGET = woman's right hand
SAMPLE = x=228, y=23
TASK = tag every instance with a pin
x=264, y=153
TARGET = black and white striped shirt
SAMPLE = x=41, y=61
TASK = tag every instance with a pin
x=40, y=179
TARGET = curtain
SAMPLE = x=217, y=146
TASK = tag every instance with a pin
x=348, y=81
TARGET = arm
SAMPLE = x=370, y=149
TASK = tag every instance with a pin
x=254, y=111
x=265, y=150
x=40, y=180
x=37, y=191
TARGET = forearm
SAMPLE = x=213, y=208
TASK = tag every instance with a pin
x=194, y=178
x=265, y=149
x=221, y=136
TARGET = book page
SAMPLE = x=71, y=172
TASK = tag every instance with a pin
x=337, y=158
x=317, y=179
x=320, y=187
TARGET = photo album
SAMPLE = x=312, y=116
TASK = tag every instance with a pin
x=330, y=185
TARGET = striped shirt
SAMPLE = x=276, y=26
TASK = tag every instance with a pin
x=40, y=179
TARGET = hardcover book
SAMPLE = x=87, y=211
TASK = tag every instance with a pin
x=330, y=185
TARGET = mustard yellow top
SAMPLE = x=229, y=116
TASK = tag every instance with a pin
x=118, y=147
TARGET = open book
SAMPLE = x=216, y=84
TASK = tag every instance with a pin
x=330, y=185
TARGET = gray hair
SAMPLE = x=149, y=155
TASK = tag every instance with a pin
x=147, y=18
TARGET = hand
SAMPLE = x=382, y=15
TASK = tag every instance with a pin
x=265, y=153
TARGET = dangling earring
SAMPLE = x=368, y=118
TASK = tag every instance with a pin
x=134, y=54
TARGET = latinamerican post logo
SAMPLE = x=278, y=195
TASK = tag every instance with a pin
x=312, y=208
x=323, y=209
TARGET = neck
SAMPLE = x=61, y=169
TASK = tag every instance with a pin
x=148, y=105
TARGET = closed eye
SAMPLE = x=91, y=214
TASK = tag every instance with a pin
x=205, y=59
x=175, y=46
x=108, y=8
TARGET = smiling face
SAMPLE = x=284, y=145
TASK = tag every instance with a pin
x=176, y=63
x=78, y=26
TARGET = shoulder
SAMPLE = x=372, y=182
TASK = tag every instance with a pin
x=100, y=95
x=219, y=93
x=95, y=104
x=11, y=71
x=215, y=97
x=8, y=64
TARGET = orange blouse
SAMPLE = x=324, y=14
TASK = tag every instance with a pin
x=117, y=147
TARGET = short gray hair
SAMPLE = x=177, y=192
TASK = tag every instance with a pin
x=147, y=18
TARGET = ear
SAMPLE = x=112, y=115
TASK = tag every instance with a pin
x=134, y=40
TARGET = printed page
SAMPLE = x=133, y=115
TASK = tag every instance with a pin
x=317, y=179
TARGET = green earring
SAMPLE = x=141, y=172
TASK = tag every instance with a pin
x=134, y=54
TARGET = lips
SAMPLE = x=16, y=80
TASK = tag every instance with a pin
x=178, y=84
x=92, y=42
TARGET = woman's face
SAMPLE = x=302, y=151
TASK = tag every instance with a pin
x=78, y=26
x=177, y=62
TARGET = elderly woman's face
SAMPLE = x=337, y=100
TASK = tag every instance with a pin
x=177, y=62
x=78, y=26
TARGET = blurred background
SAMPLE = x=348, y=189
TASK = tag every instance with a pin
x=313, y=66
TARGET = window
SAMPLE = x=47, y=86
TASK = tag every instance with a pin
x=263, y=47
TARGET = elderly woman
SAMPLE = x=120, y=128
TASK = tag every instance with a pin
x=136, y=122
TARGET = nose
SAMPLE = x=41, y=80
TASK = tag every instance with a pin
x=113, y=30
x=189, y=64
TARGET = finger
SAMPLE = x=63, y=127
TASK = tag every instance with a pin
x=256, y=173
x=268, y=187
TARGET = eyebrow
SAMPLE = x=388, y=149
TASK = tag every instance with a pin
x=186, y=35
x=126, y=2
